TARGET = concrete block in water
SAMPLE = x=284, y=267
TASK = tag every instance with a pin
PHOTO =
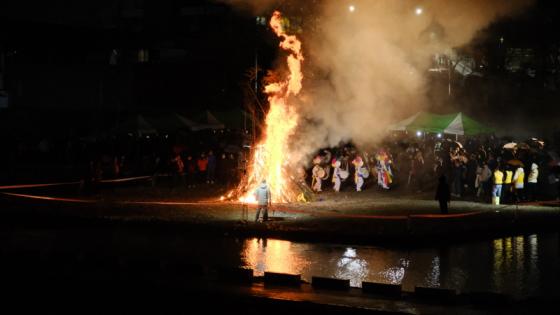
x=330, y=283
x=285, y=279
x=393, y=290
x=441, y=294
x=236, y=275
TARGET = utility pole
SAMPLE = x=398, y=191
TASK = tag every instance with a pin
x=449, y=62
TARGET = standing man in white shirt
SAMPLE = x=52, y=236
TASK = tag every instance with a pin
x=264, y=200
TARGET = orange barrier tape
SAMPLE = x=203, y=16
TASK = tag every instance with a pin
x=50, y=198
x=342, y=215
x=36, y=185
x=446, y=216
x=167, y=203
x=121, y=180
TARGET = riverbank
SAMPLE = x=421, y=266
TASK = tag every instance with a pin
x=354, y=218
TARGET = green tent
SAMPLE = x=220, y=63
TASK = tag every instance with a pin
x=454, y=124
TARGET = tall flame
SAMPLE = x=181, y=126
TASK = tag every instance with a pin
x=271, y=155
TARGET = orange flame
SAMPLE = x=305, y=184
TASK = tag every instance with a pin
x=271, y=156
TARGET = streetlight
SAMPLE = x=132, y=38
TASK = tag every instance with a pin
x=418, y=11
x=351, y=8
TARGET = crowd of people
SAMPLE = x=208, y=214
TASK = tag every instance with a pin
x=189, y=170
x=483, y=169
x=198, y=158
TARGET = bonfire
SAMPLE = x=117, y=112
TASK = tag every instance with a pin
x=270, y=157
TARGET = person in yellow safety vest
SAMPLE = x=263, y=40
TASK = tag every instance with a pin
x=506, y=187
x=518, y=183
x=497, y=187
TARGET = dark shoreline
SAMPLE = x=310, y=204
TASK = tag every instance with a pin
x=413, y=232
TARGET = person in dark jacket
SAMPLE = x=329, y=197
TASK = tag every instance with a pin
x=211, y=171
x=443, y=195
x=191, y=172
x=222, y=169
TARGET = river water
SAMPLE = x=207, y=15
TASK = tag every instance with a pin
x=522, y=266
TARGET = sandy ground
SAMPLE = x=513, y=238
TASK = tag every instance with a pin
x=359, y=217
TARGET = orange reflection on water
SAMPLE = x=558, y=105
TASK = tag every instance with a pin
x=369, y=264
x=274, y=256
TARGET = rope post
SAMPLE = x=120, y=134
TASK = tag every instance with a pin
x=244, y=211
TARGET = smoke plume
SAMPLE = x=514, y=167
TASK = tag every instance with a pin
x=367, y=61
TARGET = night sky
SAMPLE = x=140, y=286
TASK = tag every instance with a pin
x=65, y=54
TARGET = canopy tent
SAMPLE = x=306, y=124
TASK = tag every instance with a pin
x=403, y=124
x=176, y=122
x=171, y=122
x=136, y=125
x=454, y=124
x=194, y=126
x=234, y=119
x=207, y=120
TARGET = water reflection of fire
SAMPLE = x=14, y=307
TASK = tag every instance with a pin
x=270, y=157
x=275, y=256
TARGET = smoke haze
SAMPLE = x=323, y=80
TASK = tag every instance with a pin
x=366, y=68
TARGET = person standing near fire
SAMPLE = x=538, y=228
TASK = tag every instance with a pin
x=318, y=173
x=264, y=200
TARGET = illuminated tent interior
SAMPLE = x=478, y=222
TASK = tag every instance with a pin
x=453, y=124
